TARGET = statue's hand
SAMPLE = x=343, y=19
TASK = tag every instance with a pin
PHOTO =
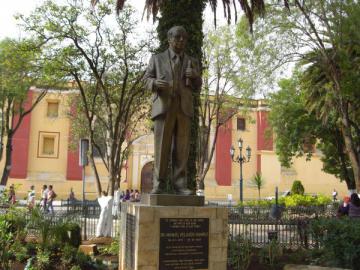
x=191, y=73
x=161, y=84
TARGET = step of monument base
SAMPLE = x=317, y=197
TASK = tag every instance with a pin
x=172, y=200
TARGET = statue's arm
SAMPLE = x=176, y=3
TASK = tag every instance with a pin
x=150, y=75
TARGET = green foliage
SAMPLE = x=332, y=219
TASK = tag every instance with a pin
x=240, y=251
x=20, y=251
x=113, y=249
x=292, y=201
x=317, y=105
x=6, y=238
x=297, y=188
x=271, y=253
x=339, y=241
x=58, y=243
x=43, y=259
x=258, y=182
x=75, y=234
x=22, y=65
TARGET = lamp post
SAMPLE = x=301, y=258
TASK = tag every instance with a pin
x=241, y=159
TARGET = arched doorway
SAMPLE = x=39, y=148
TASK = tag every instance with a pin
x=147, y=177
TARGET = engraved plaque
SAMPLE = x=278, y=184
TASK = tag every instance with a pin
x=184, y=243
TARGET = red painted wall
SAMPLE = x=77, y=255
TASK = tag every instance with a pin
x=263, y=142
x=20, y=144
x=222, y=157
x=73, y=171
x=258, y=163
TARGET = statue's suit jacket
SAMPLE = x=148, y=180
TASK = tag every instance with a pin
x=160, y=68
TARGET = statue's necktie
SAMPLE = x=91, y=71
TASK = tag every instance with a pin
x=177, y=73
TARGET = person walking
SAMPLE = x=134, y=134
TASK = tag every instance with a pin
x=44, y=196
x=31, y=198
x=334, y=195
x=50, y=199
x=12, y=197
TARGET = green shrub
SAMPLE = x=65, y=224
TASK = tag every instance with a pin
x=43, y=260
x=6, y=238
x=339, y=239
x=17, y=222
x=112, y=249
x=291, y=201
x=68, y=257
x=299, y=200
x=75, y=234
x=323, y=200
x=297, y=188
x=271, y=253
x=240, y=251
x=19, y=251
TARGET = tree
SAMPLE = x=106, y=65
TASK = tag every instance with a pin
x=297, y=188
x=107, y=66
x=21, y=66
x=330, y=29
x=298, y=130
x=224, y=91
x=323, y=35
x=258, y=182
x=217, y=105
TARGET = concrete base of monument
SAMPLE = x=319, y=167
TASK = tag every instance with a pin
x=173, y=237
x=172, y=200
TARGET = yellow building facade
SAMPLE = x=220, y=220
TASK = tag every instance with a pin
x=42, y=155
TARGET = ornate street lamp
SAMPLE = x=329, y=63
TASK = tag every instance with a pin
x=241, y=159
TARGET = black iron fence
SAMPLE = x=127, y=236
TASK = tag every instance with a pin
x=289, y=226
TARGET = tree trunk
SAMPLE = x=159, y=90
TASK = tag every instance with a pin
x=350, y=147
x=187, y=13
x=7, y=167
x=353, y=157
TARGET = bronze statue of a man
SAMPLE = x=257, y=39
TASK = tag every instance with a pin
x=172, y=76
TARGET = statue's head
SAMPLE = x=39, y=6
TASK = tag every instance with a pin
x=177, y=38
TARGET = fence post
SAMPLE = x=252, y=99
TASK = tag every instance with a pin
x=85, y=219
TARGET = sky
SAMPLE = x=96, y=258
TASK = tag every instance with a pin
x=9, y=28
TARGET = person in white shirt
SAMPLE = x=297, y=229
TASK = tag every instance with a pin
x=31, y=198
x=334, y=194
x=44, y=196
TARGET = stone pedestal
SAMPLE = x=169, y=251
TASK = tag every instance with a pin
x=173, y=237
x=172, y=200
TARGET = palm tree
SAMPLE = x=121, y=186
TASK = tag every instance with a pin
x=258, y=182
